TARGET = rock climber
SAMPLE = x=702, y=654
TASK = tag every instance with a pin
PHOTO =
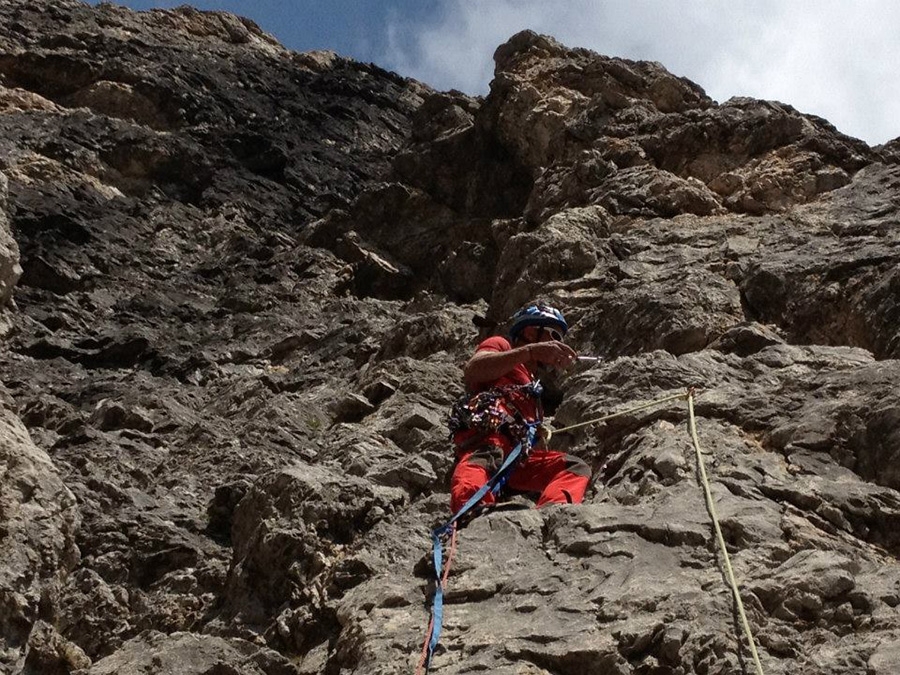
x=502, y=398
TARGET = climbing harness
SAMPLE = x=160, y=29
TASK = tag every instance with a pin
x=494, y=410
x=499, y=479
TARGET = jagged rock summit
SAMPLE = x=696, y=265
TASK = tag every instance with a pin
x=238, y=284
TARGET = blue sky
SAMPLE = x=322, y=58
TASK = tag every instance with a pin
x=354, y=28
x=832, y=58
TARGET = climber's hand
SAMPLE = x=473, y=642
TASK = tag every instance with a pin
x=554, y=354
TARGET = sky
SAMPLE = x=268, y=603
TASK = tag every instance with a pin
x=832, y=58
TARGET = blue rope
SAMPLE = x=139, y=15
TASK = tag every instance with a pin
x=494, y=485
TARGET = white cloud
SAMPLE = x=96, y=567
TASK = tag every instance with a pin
x=826, y=57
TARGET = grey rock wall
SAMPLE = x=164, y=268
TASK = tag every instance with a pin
x=39, y=521
x=249, y=281
x=10, y=270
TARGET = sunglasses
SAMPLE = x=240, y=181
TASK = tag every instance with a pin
x=554, y=334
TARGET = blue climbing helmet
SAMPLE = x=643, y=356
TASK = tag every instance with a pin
x=537, y=315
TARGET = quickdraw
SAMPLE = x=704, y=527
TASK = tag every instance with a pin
x=495, y=410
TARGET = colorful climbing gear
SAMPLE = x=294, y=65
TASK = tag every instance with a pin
x=501, y=476
x=494, y=485
x=492, y=411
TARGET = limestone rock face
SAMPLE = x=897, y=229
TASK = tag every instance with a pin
x=190, y=654
x=10, y=270
x=250, y=279
x=39, y=520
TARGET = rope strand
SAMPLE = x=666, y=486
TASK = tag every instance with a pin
x=636, y=408
x=720, y=539
x=729, y=572
x=424, y=656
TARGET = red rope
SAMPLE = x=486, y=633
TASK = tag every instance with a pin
x=450, y=553
x=424, y=653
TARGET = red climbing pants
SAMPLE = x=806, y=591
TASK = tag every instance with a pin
x=558, y=477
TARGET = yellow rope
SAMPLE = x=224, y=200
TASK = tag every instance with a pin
x=642, y=406
x=721, y=540
x=692, y=426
